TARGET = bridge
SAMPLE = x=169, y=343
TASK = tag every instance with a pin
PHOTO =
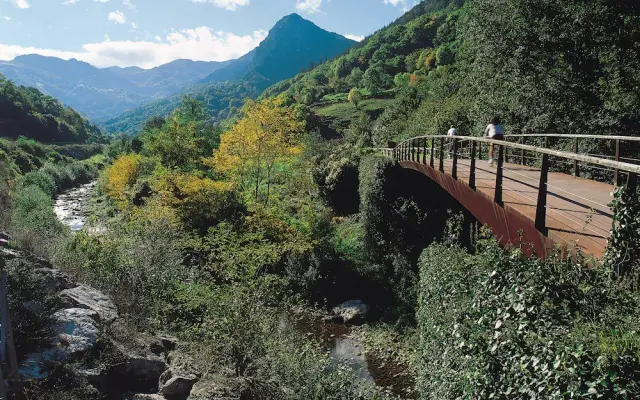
x=535, y=195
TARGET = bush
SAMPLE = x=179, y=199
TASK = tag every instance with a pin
x=33, y=219
x=42, y=180
x=496, y=325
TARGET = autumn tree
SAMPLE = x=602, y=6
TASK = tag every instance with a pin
x=249, y=153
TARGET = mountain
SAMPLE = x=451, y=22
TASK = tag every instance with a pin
x=292, y=45
x=104, y=93
x=25, y=111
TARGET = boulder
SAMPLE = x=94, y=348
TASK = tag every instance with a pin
x=352, y=311
x=75, y=331
x=140, y=396
x=176, y=386
x=52, y=280
x=92, y=299
x=215, y=388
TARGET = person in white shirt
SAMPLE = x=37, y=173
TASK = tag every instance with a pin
x=494, y=131
x=452, y=132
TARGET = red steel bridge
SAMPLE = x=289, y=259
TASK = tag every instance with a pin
x=543, y=191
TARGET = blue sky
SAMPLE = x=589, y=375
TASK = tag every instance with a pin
x=148, y=33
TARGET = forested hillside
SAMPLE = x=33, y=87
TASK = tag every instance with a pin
x=293, y=44
x=24, y=111
x=103, y=93
x=552, y=66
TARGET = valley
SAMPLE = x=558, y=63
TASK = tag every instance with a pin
x=403, y=217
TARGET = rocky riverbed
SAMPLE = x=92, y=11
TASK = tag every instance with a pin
x=72, y=206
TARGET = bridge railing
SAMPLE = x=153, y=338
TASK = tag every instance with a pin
x=434, y=150
x=613, y=147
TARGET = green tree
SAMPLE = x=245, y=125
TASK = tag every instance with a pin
x=376, y=80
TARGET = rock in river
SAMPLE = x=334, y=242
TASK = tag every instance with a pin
x=352, y=311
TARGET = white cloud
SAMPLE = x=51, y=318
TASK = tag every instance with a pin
x=69, y=2
x=308, y=6
x=6, y=18
x=396, y=3
x=127, y=3
x=118, y=17
x=101, y=1
x=134, y=25
x=199, y=44
x=21, y=3
x=230, y=5
x=357, y=38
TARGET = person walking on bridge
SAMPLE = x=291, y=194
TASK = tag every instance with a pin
x=494, y=131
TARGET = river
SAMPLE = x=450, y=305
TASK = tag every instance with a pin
x=344, y=347
x=72, y=206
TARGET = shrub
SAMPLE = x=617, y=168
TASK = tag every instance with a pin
x=33, y=220
x=496, y=325
x=42, y=180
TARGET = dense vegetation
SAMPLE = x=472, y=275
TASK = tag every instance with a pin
x=554, y=66
x=24, y=111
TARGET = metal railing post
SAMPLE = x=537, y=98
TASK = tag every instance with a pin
x=499, y=176
x=522, y=151
x=541, y=207
x=472, y=172
x=441, y=155
x=424, y=151
x=433, y=149
x=632, y=183
x=454, y=168
x=616, y=172
x=576, y=166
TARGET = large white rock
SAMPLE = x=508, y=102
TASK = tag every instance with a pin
x=75, y=330
x=352, y=311
x=92, y=299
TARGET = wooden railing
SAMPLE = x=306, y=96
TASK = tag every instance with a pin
x=428, y=150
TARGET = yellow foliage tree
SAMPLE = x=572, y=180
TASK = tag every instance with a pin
x=249, y=152
x=122, y=175
x=199, y=202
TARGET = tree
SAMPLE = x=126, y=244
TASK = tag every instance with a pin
x=341, y=67
x=265, y=136
x=355, y=77
x=375, y=79
x=355, y=97
x=402, y=80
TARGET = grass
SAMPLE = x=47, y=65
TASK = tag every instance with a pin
x=340, y=115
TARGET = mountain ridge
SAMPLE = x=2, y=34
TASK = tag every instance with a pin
x=291, y=46
x=102, y=93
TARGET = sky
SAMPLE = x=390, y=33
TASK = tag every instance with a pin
x=149, y=33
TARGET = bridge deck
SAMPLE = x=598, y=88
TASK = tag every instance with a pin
x=577, y=208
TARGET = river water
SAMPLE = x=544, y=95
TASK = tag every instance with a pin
x=345, y=348
x=72, y=206
x=72, y=209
